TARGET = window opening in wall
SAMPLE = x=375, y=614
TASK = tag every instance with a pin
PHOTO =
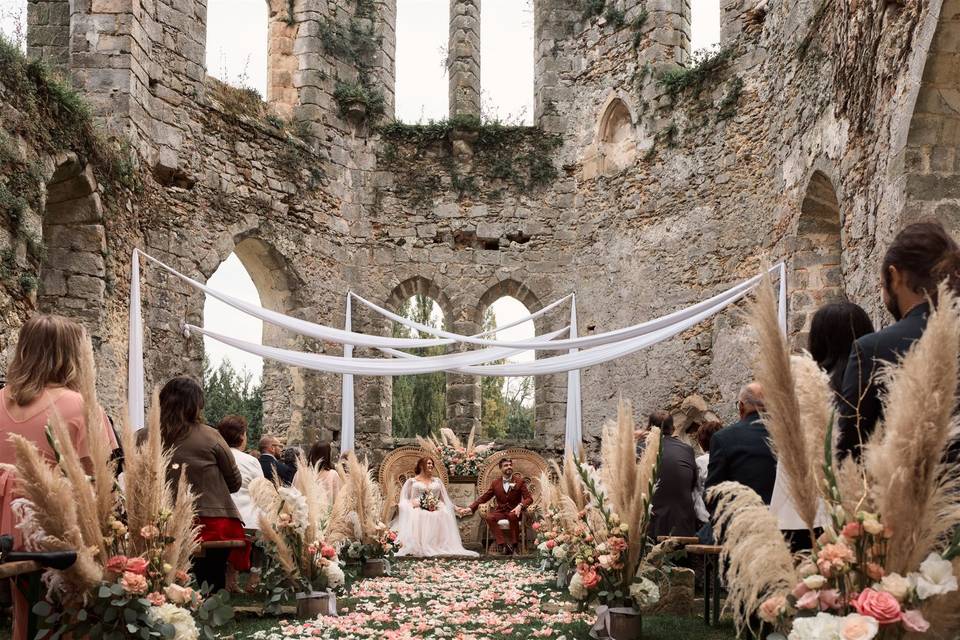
x=237, y=43
x=232, y=378
x=704, y=24
x=13, y=22
x=423, y=31
x=420, y=401
x=507, y=404
x=506, y=61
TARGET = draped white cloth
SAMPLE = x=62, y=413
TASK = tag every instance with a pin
x=581, y=351
x=427, y=534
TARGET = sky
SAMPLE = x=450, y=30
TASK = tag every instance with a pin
x=237, y=53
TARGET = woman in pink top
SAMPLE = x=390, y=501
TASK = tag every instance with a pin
x=43, y=376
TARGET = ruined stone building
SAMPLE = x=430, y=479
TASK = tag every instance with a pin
x=648, y=181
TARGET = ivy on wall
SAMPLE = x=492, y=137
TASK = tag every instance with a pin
x=503, y=156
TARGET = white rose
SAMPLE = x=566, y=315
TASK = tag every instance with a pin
x=606, y=561
x=560, y=552
x=576, y=587
x=335, y=575
x=814, y=582
x=823, y=626
x=858, y=627
x=602, y=547
x=935, y=577
x=873, y=527
x=896, y=585
x=182, y=620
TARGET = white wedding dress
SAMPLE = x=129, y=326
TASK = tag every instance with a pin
x=425, y=534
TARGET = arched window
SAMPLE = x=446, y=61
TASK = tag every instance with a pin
x=817, y=273
x=232, y=378
x=704, y=25
x=506, y=60
x=421, y=72
x=419, y=402
x=616, y=137
x=507, y=405
x=237, y=43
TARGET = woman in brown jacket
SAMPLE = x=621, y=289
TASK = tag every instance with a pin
x=212, y=473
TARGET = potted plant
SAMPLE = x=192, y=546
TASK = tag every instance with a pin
x=375, y=557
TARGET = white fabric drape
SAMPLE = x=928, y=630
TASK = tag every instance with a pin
x=135, y=373
x=347, y=407
x=573, y=434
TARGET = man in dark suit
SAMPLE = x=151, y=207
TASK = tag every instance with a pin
x=741, y=452
x=273, y=468
x=919, y=259
x=512, y=497
x=673, y=512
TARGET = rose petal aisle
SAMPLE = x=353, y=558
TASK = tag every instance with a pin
x=467, y=600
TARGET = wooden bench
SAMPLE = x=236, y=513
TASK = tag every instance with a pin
x=219, y=544
x=22, y=567
x=711, y=579
x=681, y=540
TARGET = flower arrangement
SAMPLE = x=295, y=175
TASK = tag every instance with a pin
x=886, y=563
x=429, y=501
x=586, y=515
x=385, y=546
x=133, y=548
x=459, y=460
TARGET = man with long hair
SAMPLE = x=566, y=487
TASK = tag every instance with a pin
x=921, y=257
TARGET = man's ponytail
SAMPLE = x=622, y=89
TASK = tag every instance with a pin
x=927, y=255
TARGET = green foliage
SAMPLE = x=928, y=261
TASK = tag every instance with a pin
x=290, y=19
x=28, y=283
x=347, y=94
x=419, y=402
x=506, y=403
x=728, y=106
x=705, y=65
x=593, y=8
x=227, y=392
x=615, y=17
x=520, y=156
x=637, y=26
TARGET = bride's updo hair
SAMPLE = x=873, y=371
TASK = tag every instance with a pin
x=422, y=465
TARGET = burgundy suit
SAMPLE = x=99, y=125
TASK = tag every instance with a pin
x=506, y=502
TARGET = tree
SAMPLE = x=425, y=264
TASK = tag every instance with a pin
x=419, y=402
x=507, y=403
x=228, y=392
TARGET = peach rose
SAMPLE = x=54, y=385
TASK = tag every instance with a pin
x=858, y=627
x=772, y=608
x=834, y=558
x=133, y=583
x=137, y=565
x=875, y=571
x=156, y=598
x=177, y=594
x=589, y=578
x=879, y=605
x=851, y=530
x=328, y=552
x=117, y=564
x=182, y=577
x=149, y=532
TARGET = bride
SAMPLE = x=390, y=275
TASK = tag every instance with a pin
x=426, y=524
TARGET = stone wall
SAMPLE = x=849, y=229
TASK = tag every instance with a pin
x=794, y=144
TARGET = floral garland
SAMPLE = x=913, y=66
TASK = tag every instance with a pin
x=461, y=462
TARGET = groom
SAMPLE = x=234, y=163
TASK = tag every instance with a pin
x=512, y=498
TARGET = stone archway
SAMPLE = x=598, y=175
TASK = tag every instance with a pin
x=817, y=274
x=614, y=147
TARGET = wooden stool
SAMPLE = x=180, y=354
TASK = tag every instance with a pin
x=711, y=578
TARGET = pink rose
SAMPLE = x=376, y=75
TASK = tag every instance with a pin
x=851, y=530
x=137, y=565
x=156, y=598
x=182, y=577
x=117, y=564
x=133, y=583
x=800, y=589
x=809, y=600
x=913, y=620
x=589, y=578
x=328, y=552
x=149, y=532
x=830, y=599
x=875, y=571
x=551, y=544
x=536, y=526
x=879, y=605
x=772, y=608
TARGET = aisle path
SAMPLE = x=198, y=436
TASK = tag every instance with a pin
x=462, y=600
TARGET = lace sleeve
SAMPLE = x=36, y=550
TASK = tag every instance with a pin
x=444, y=496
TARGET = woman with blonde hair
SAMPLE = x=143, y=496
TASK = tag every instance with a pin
x=45, y=376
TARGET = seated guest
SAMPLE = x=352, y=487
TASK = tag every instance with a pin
x=234, y=431
x=211, y=471
x=921, y=256
x=704, y=433
x=319, y=457
x=673, y=512
x=833, y=330
x=741, y=452
x=274, y=469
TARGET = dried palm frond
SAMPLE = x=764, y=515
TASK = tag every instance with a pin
x=852, y=484
x=470, y=439
x=430, y=446
x=264, y=495
x=782, y=415
x=570, y=484
x=450, y=438
x=81, y=491
x=99, y=450
x=338, y=527
x=915, y=493
x=307, y=481
x=146, y=492
x=56, y=513
x=181, y=530
x=284, y=552
x=364, y=495
x=758, y=560
x=814, y=397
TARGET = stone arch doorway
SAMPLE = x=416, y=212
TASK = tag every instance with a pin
x=286, y=411
x=817, y=273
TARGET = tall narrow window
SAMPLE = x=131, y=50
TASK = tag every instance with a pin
x=231, y=378
x=423, y=28
x=704, y=24
x=507, y=409
x=237, y=43
x=506, y=60
x=419, y=402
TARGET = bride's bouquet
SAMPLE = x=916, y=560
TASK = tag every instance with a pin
x=429, y=501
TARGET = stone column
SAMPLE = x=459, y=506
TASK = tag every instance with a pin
x=48, y=31
x=463, y=391
x=463, y=58
x=281, y=62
